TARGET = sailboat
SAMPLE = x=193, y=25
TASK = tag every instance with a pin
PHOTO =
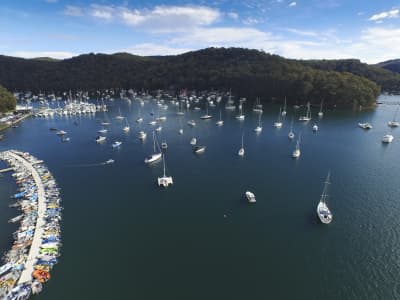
x=323, y=211
x=241, y=150
x=296, y=153
x=179, y=112
x=220, y=122
x=139, y=118
x=320, y=113
x=258, y=106
x=278, y=123
x=155, y=156
x=394, y=123
x=240, y=116
x=120, y=116
x=206, y=116
x=229, y=104
x=284, y=108
x=258, y=129
x=165, y=180
x=127, y=127
x=180, y=127
x=388, y=138
x=142, y=135
x=315, y=128
x=291, y=133
x=307, y=117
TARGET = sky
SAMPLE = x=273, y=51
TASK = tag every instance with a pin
x=368, y=30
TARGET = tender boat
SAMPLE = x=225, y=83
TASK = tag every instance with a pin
x=65, y=139
x=109, y=161
x=291, y=133
x=365, y=125
x=323, y=211
x=159, y=128
x=102, y=131
x=61, y=132
x=180, y=131
x=192, y=123
x=164, y=145
x=250, y=197
x=193, y=141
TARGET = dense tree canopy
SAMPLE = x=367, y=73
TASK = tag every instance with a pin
x=7, y=100
x=248, y=73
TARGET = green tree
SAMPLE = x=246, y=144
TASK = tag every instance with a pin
x=7, y=100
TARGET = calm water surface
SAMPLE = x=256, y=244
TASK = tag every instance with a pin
x=125, y=238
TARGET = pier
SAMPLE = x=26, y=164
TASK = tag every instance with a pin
x=6, y=170
x=34, y=250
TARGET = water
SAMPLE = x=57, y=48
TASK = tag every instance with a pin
x=123, y=237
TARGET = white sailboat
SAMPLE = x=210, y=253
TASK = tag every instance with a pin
x=206, y=116
x=139, y=118
x=323, y=211
x=240, y=116
x=258, y=106
x=388, y=138
x=315, y=128
x=250, y=197
x=284, y=109
x=320, y=113
x=220, y=122
x=126, y=127
x=142, y=135
x=258, y=129
x=156, y=155
x=307, y=117
x=278, y=123
x=394, y=123
x=241, y=150
x=291, y=133
x=296, y=153
x=120, y=116
x=165, y=180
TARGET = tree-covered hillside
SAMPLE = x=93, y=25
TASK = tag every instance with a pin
x=248, y=73
x=7, y=100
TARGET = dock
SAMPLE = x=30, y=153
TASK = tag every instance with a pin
x=26, y=275
x=6, y=170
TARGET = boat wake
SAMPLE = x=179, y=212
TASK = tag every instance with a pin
x=108, y=162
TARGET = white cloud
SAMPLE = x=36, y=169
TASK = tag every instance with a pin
x=102, y=12
x=52, y=54
x=51, y=1
x=301, y=32
x=233, y=15
x=394, y=13
x=251, y=21
x=291, y=4
x=74, y=11
x=150, y=49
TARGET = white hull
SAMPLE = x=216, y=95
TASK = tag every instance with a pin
x=388, y=138
x=296, y=153
x=241, y=152
x=153, y=158
x=250, y=197
x=324, y=213
x=165, y=181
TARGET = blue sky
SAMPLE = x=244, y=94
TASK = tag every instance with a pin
x=368, y=30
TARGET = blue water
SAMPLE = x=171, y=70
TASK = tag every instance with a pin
x=125, y=238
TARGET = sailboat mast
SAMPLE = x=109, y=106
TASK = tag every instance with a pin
x=154, y=142
x=164, y=164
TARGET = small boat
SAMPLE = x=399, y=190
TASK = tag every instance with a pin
x=105, y=123
x=152, y=123
x=180, y=131
x=161, y=119
x=139, y=120
x=192, y=123
x=61, y=132
x=65, y=139
x=193, y=141
x=116, y=144
x=296, y=153
x=5, y=268
x=109, y=161
x=307, y=116
x=323, y=211
x=365, y=125
x=278, y=123
x=158, y=129
x=100, y=139
x=142, y=135
x=165, y=180
x=250, y=197
x=241, y=150
x=258, y=106
x=199, y=149
x=156, y=155
x=315, y=128
x=164, y=145
x=240, y=116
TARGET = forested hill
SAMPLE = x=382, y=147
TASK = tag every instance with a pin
x=383, y=76
x=248, y=73
x=391, y=65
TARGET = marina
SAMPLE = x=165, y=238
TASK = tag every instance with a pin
x=25, y=266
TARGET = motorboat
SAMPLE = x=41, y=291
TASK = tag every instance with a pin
x=251, y=198
x=387, y=138
x=192, y=123
x=142, y=135
x=116, y=144
x=365, y=125
x=199, y=149
x=100, y=139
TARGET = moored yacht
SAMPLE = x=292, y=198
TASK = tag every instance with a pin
x=116, y=144
x=365, y=125
x=323, y=212
x=296, y=153
x=156, y=155
x=251, y=198
x=165, y=180
x=307, y=116
x=100, y=139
